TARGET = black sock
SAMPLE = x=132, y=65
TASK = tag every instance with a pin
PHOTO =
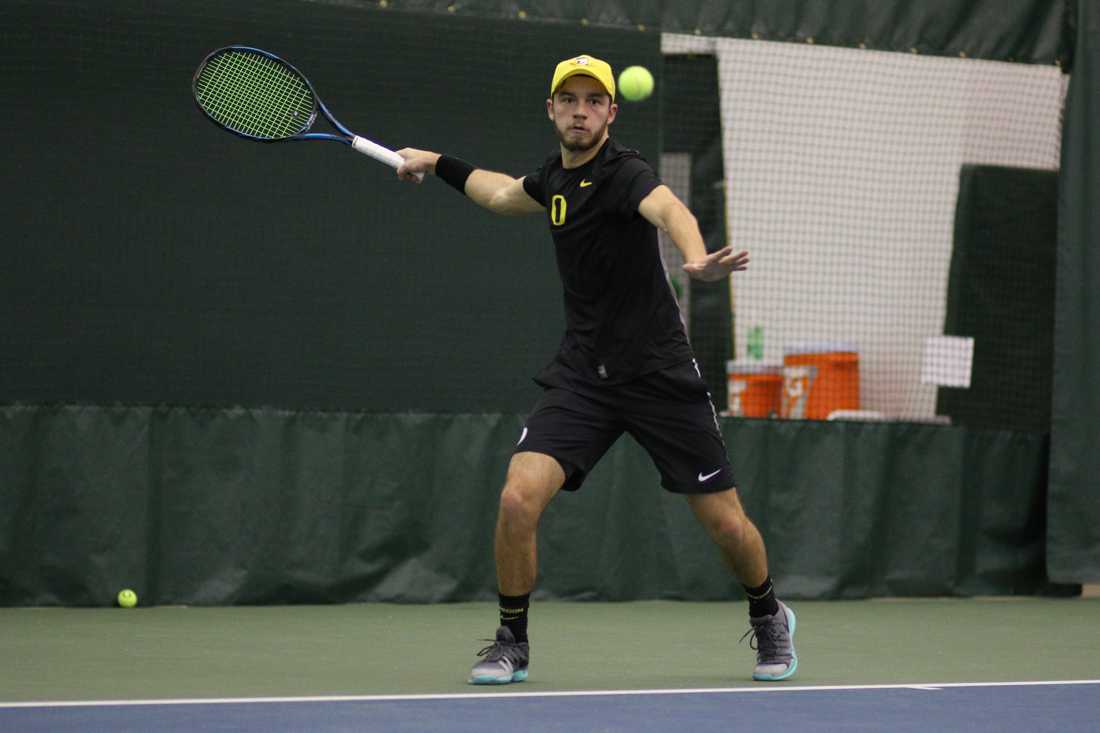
x=762, y=599
x=513, y=614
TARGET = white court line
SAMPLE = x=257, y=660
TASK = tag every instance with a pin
x=932, y=686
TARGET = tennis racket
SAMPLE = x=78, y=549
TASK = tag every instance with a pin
x=256, y=95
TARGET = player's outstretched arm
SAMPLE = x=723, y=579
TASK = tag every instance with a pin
x=498, y=192
x=665, y=211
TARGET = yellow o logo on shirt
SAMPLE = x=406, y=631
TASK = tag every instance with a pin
x=557, y=210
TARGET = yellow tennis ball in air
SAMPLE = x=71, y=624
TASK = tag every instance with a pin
x=635, y=83
x=127, y=598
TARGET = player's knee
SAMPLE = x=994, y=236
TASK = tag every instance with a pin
x=729, y=528
x=724, y=518
x=518, y=505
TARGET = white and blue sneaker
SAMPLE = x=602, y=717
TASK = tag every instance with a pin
x=773, y=639
x=505, y=660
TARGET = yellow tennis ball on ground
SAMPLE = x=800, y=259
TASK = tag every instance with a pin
x=635, y=83
x=127, y=598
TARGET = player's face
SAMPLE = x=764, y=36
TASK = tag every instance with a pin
x=581, y=110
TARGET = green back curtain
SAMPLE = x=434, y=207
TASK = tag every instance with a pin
x=1073, y=542
x=215, y=506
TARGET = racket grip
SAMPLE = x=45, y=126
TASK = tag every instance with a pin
x=379, y=153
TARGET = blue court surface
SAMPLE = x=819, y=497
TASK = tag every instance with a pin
x=1072, y=705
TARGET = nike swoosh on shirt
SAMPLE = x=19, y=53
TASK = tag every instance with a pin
x=711, y=475
x=585, y=184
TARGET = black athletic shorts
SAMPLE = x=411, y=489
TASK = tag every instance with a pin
x=669, y=412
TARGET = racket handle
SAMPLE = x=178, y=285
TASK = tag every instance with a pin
x=379, y=153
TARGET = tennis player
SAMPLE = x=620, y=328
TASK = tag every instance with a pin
x=624, y=365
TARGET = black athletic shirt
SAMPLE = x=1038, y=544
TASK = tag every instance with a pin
x=621, y=319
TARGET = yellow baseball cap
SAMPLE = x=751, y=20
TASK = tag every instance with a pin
x=587, y=65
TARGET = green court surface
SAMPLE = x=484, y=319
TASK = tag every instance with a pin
x=373, y=649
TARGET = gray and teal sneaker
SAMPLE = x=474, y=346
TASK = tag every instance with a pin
x=505, y=660
x=774, y=644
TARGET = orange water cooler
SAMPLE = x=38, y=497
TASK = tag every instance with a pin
x=819, y=378
x=754, y=388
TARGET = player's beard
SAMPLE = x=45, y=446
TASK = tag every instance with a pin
x=583, y=144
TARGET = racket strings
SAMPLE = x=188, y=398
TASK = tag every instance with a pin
x=255, y=95
x=263, y=95
x=267, y=88
x=291, y=100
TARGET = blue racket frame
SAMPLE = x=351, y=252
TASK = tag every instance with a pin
x=344, y=138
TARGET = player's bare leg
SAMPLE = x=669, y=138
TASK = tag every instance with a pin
x=742, y=547
x=533, y=480
x=736, y=536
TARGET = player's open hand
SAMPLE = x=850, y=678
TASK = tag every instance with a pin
x=417, y=164
x=717, y=265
